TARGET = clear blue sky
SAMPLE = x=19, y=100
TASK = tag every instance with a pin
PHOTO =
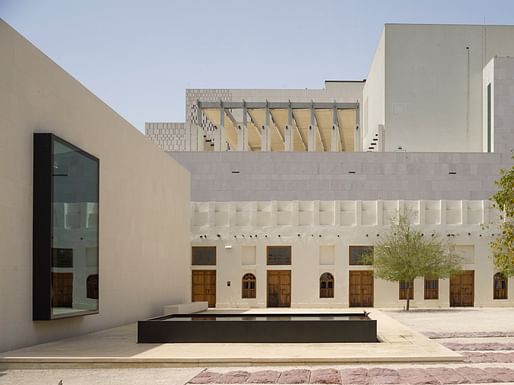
x=140, y=56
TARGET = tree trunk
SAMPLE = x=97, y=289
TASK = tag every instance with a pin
x=408, y=296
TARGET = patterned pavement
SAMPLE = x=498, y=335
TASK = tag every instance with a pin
x=361, y=376
x=489, y=358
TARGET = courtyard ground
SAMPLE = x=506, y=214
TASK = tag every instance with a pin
x=484, y=336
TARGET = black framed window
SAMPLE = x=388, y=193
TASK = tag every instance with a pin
x=203, y=255
x=278, y=255
x=361, y=255
x=65, y=229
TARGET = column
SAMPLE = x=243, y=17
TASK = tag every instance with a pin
x=311, y=138
x=242, y=133
x=335, y=134
x=357, y=142
x=265, y=135
x=288, y=133
x=220, y=142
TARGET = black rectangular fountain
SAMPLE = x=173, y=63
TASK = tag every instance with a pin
x=219, y=327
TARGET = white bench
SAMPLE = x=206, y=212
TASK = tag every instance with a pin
x=185, y=308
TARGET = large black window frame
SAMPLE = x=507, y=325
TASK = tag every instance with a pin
x=46, y=254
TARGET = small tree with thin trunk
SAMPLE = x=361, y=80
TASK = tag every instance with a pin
x=404, y=254
x=503, y=245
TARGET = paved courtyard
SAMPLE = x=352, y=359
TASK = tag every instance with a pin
x=484, y=336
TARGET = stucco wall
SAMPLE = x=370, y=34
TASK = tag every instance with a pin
x=310, y=226
x=433, y=94
x=144, y=200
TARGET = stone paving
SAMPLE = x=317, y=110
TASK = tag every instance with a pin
x=487, y=344
x=361, y=376
x=489, y=356
x=440, y=335
x=479, y=346
x=475, y=357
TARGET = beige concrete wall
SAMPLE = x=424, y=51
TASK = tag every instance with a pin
x=337, y=225
x=144, y=195
x=433, y=98
x=373, y=97
x=502, y=108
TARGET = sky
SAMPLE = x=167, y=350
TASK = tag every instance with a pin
x=140, y=56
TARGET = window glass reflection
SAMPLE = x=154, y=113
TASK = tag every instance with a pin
x=75, y=231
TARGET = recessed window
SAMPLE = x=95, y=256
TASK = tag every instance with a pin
x=326, y=285
x=500, y=286
x=278, y=255
x=65, y=229
x=431, y=288
x=62, y=257
x=92, y=286
x=204, y=255
x=361, y=255
x=249, y=285
x=489, y=126
x=406, y=288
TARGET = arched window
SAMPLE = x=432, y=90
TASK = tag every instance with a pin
x=326, y=285
x=500, y=286
x=249, y=283
x=92, y=286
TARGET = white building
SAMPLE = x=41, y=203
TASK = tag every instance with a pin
x=320, y=173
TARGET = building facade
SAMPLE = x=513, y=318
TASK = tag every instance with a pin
x=111, y=253
x=289, y=187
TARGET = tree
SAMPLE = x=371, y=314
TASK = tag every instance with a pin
x=503, y=245
x=404, y=254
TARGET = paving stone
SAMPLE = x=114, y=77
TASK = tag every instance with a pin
x=325, y=376
x=475, y=375
x=263, y=377
x=501, y=374
x=205, y=377
x=475, y=357
x=416, y=376
x=437, y=335
x=295, y=376
x=234, y=377
x=456, y=346
x=500, y=357
x=383, y=376
x=447, y=375
x=357, y=376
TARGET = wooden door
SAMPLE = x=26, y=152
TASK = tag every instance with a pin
x=62, y=289
x=462, y=289
x=204, y=286
x=279, y=288
x=361, y=288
